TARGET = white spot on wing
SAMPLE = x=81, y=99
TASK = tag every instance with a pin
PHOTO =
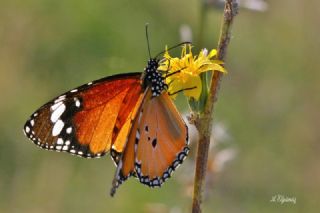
x=60, y=98
x=56, y=105
x=77, y=102
x=57, y=128
x=60, y=141
x=69, y=130
x=27, y=129
x=32, y=122
x=74, y=90
x=57, y=113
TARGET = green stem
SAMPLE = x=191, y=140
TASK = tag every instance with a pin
x=203, y=121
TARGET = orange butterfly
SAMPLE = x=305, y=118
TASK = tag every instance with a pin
x=131, y=115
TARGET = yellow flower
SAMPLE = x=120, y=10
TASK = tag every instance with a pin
x=182, y=74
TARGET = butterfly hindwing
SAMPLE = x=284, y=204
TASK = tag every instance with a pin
x=162, y=141
x=87, y=120
x=156, y=145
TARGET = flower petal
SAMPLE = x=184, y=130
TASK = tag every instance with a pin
x=186, y=70
x=193, y=81
x=212, y=53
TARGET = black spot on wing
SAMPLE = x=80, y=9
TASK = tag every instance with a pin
x=154, y=143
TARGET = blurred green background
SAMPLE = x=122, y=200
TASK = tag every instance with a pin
x=269, y=102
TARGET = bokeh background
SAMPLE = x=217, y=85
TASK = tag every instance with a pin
x=267, y=112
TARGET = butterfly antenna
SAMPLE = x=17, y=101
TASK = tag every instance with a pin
x=147, y=36
x=175, y=46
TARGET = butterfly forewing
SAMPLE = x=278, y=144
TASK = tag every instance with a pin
x=87, y=120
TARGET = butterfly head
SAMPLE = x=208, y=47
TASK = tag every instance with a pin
x=153, y=77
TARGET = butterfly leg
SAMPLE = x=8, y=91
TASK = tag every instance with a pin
x=181, y=90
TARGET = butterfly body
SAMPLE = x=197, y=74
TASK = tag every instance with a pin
x=153, y=79
x=130, y=115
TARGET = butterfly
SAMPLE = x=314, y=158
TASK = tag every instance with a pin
x=129, y=115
